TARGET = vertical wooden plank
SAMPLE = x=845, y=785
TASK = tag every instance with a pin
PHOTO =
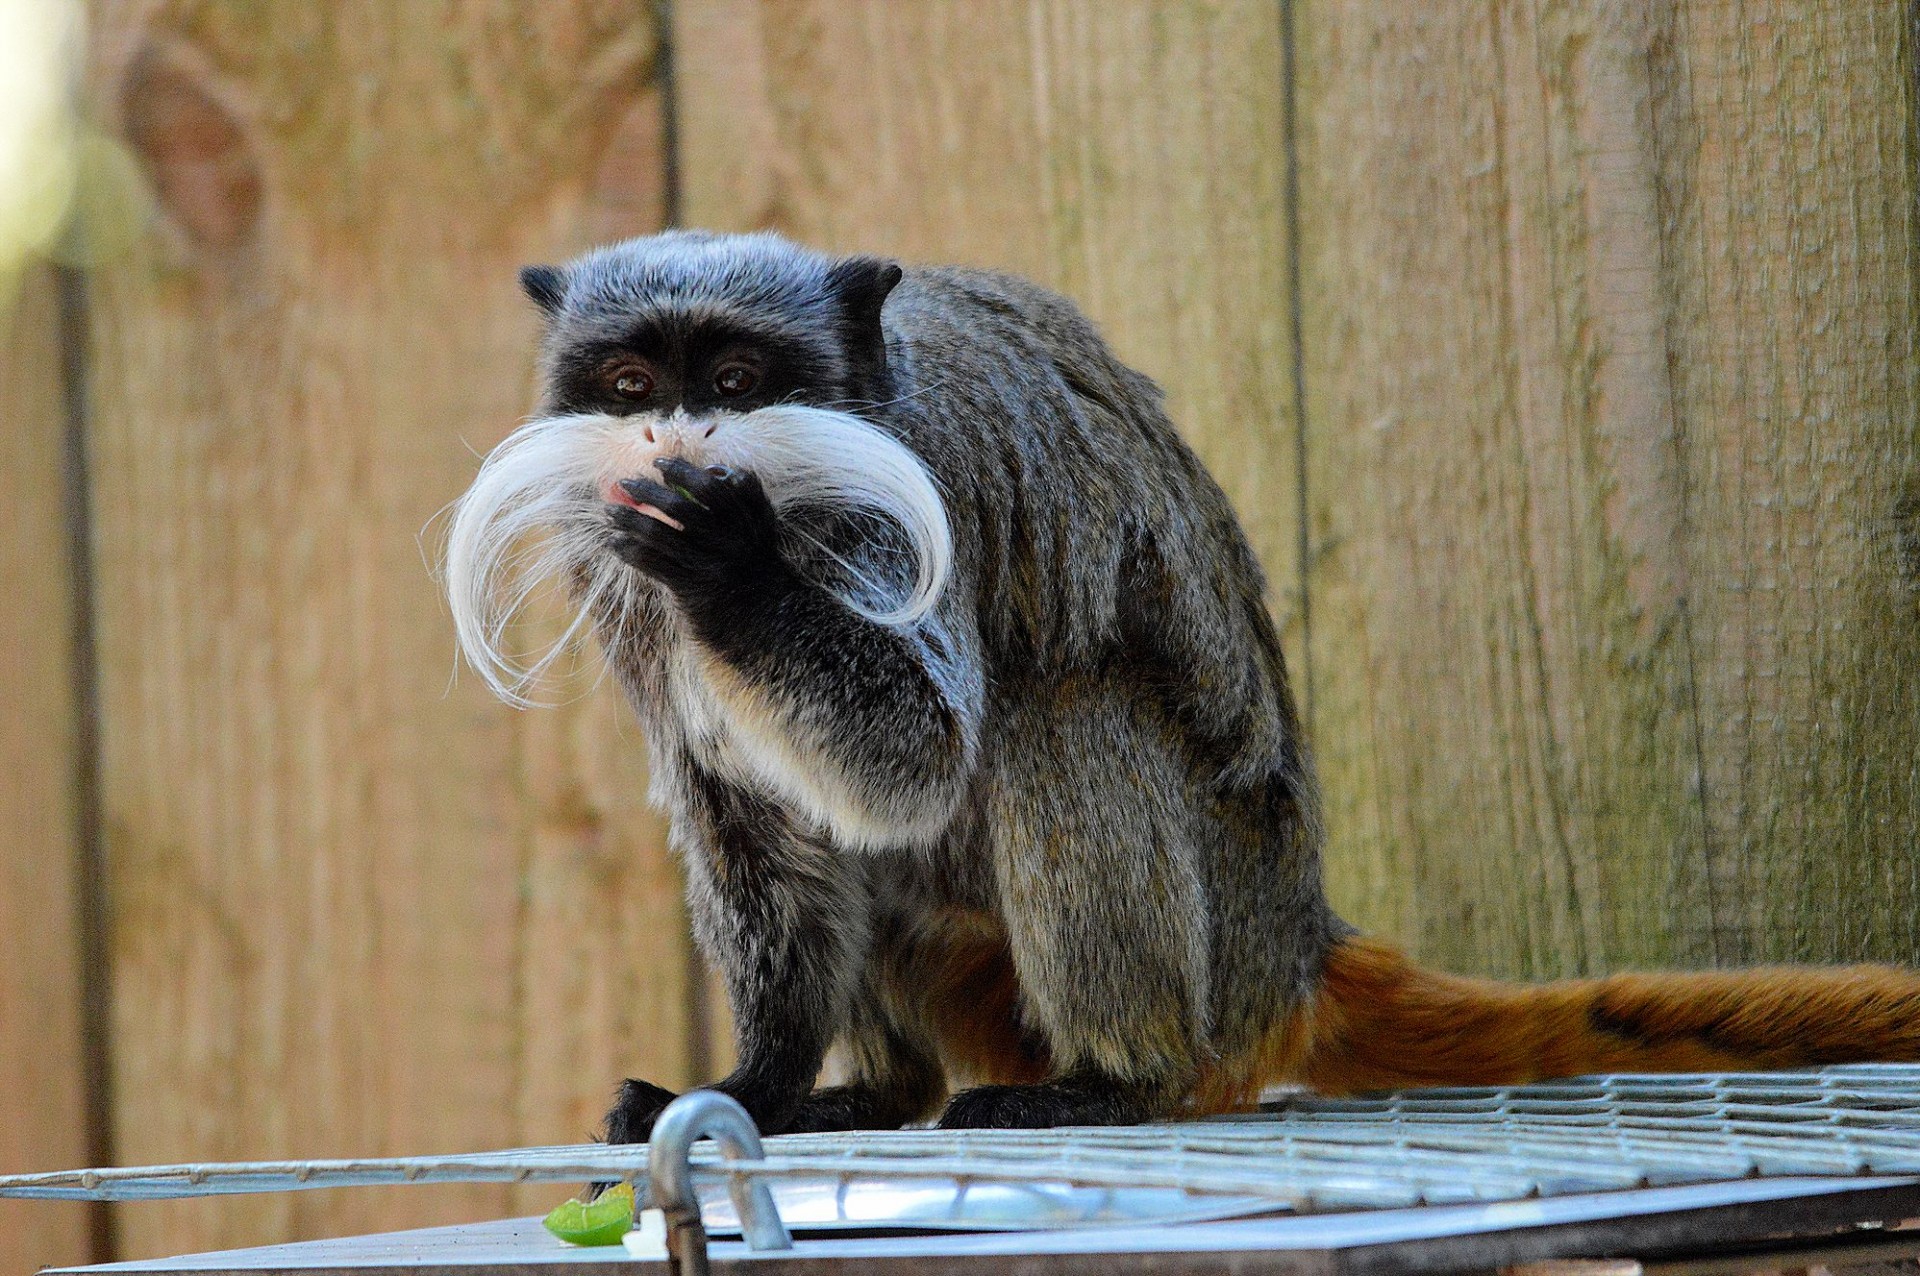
x=357, y=906
x=1543, y=244
x=1125, y=153
x=1493, y=490
x=45, y=1112
x=1791, y=187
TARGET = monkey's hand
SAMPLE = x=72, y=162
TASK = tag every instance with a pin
x=700, y=532
x=882, y=717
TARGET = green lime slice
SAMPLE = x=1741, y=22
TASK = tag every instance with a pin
x=599, y=1222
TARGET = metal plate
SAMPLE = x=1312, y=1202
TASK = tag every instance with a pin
x=1701, y=1219
x=829, y=1205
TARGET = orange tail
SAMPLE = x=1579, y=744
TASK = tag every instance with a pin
x=1380, y=1022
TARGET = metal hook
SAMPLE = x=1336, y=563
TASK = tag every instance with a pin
x=707, y=1114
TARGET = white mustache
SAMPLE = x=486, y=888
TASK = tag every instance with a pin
x=535, y=514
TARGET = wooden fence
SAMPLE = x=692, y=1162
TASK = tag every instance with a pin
x=1559, y=356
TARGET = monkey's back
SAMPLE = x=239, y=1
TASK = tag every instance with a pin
x=1141, y=754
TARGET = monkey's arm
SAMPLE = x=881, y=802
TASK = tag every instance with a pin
x=786, y=921
x=871, y=727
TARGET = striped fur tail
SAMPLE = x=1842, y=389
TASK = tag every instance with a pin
x=1380, y=1023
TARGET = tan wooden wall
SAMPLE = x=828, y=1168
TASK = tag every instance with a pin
x=1570, y=403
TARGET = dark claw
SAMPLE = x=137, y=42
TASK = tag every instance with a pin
x=679, y=470
x=692, y=483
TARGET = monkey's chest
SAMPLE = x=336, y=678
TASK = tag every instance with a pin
x=742, y=733
x=720, y=721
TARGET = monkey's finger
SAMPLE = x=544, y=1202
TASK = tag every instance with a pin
x=646, y=525
x=721, y=488
x=661, y=503
x=695, y=483
x=746, y=483
x=708, y=481
x=648, y=544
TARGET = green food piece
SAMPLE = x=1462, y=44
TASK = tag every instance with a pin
x=598, y=1222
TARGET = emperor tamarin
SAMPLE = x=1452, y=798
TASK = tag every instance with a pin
x=962, y=694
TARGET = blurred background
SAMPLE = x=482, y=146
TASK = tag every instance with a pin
x=1561, y=359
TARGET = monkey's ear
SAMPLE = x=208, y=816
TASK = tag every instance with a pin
x=546, y=285
x=862, y=285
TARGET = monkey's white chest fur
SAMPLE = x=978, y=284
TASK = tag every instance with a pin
x=740, y=733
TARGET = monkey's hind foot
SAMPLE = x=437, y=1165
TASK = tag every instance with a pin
x=637, y=1107
x=1080, y=1099
x=856, y=1107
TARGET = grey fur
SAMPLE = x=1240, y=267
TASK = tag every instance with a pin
x=1090, y=743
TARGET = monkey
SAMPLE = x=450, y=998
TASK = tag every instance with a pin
x=964, y=701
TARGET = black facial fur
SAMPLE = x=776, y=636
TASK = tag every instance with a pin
x=685, y=361
x=809, y=328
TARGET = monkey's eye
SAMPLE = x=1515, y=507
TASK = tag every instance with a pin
x=734, y=380
x=633, y=383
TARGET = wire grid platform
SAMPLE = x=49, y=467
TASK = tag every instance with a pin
x=1301, y=1153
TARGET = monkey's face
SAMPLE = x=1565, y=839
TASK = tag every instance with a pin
x=681, y=382
x=741, y=352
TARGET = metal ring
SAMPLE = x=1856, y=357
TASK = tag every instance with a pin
x=708, y=1114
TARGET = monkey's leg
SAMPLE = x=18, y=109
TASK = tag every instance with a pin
x=896, y=1078
x=893, y=1055
x=1104, y=908
x=785, y=920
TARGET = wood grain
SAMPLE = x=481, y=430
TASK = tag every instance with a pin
x=44, y=1109
x=1608, y=372
x=357, y=907
x=1792, y=195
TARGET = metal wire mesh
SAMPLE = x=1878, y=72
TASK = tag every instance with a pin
x=1303, y=1153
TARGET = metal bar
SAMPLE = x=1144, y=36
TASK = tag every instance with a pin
x=1303, y=1154
x=708, y=1114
